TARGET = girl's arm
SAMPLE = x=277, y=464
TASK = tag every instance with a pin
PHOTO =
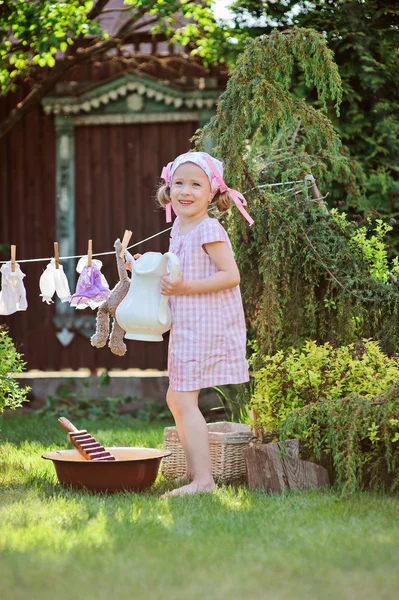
x=227, y=276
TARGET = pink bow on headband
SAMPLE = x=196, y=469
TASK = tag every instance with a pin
x=165, y=175
x=167, y=178
x=237, y=197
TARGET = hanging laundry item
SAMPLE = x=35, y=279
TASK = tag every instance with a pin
x=92, y=288
x=12, y=294
x=53, y=281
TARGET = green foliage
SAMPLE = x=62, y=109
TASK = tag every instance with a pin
x=364, y=37
x=41, y=33
x=11, y=395
x=84, y=404
x=361, y=436
x=371, y=248
x=197, y=32
x=153, y=411
x=298, y=378
x=302, y=278
x=65, y=403
x=69, y=403
x=234, y=402
x=258, y=105
x=39, y=30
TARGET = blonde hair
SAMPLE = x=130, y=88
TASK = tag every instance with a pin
x=222, y=200
x=163, y=195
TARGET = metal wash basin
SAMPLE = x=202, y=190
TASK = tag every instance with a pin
x=135, y=469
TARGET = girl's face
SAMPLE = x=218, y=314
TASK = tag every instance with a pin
x=190, y=192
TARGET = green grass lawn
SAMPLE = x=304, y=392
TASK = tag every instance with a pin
x=58, y=544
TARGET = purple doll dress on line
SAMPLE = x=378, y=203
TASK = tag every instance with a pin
x=92, y=288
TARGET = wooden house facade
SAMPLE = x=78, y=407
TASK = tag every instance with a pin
x=84, y=165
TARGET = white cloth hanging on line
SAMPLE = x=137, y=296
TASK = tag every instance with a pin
x=53, y=281
x=92, y=288
x=13, y=293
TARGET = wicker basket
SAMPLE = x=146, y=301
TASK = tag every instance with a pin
x=226, y=442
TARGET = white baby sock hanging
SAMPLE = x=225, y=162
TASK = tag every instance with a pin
x=53, y=280
x=13, y=293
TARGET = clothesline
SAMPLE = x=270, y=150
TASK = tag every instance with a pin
x=92, y=288
x=26, y=260
x=3, y=262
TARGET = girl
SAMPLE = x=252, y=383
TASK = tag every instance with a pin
x=208, y=337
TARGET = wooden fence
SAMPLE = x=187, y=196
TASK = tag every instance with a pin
x=117, y=168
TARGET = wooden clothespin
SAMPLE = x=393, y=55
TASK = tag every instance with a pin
x=125, y=242
x=56, y=255
x=89, y=253
x=13, y=257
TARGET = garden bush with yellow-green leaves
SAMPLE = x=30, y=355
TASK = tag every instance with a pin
x=316, y=372
x=357, y=437
x=342, y=402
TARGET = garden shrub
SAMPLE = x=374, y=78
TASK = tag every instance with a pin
x=11, y=394
x=368, y=243
x=306, y=272
x=297, y=378
x=82, y=402
x=73, y=403
x=233, y=402
x=359, y=435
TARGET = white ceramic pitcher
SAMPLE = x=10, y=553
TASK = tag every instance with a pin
x=144, y=313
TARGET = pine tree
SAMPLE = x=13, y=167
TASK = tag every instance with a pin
x=306, y=273
x=364, y=37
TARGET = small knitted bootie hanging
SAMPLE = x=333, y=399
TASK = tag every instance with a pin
x=12, y=294
x=53, y=280
x=92, y=288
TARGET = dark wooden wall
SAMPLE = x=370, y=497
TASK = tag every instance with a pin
x=117, y=169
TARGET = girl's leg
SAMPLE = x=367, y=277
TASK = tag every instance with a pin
x=180, y=430
x=193, y=433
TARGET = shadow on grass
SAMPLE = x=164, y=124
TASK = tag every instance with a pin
x=46, y=487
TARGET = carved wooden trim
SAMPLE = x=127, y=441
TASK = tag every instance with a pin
x=112, y=91
x=123, y=119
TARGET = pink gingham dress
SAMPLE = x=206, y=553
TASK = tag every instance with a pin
x=207, y=343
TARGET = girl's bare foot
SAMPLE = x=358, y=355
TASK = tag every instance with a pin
x=192, y=488
x=184, y=479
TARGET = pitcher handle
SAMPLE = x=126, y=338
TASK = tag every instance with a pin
x=174, y=271
x=129, y=258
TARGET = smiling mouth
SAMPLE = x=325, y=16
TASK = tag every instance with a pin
x=186, y=202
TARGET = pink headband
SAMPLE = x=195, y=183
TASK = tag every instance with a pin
x=214, y=170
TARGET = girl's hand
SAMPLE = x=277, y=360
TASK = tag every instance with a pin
x=172, y=287
x=128, y=266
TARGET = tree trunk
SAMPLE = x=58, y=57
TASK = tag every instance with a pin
x=268, y=470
